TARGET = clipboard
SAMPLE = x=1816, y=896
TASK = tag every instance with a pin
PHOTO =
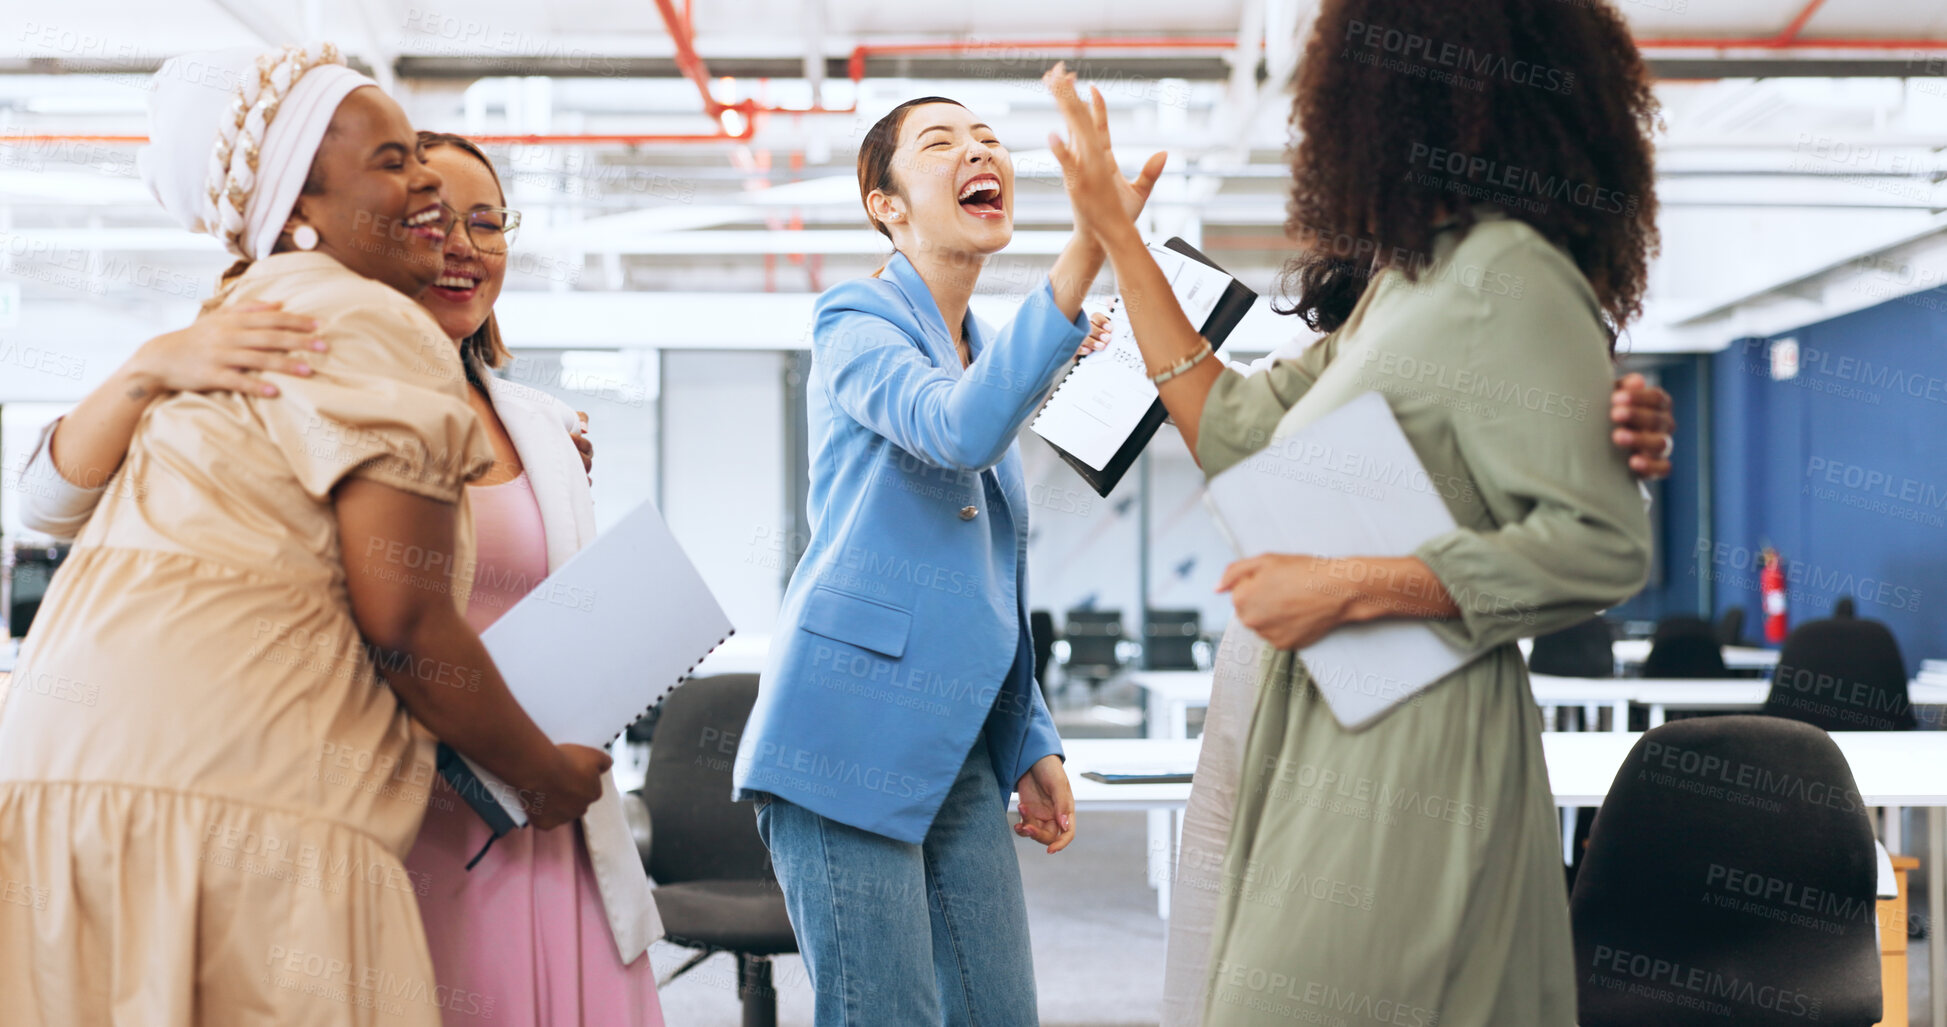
x=1229, y=312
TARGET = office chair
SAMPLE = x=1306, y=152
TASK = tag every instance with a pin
x=1091, y=646
x=714, y=885
x=1730, y=626
x=1581, y=651
x=1171, y=640
x=1685, y=647
x=1842, y=675
x=1695, y=905
x=33, y=572
x=1041, y=630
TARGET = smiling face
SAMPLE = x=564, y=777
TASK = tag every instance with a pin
x=953, y=185
x=372, y=200
x=470, y=279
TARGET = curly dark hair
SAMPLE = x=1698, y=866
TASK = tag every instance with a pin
x=1409, y=112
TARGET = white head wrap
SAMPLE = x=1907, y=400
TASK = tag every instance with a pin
x=232, y=134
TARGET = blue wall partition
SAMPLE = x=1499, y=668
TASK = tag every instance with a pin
x=1843, y=468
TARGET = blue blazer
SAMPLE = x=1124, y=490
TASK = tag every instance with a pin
x=904, y=630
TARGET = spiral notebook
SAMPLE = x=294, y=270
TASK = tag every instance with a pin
x=1105, y=410
x=594, y=646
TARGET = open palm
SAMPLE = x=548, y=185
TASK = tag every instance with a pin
x=1088, y=161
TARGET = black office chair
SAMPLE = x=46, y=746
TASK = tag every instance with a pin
x=33, y=572
x=1582, y=651
x=1730, y=626
x=1685, y=647
x=1091, y=646
x=1170, y=639
x=1845, y=609
x=1842, y=675
x=1041, y=630
x=1730, y=879
x=714, y=885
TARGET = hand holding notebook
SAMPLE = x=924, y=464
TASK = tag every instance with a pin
x=1105, y=411
x=609, y=634
x=1348, y=484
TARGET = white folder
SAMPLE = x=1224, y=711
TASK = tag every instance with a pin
x=605, y=637
x=1348, y=484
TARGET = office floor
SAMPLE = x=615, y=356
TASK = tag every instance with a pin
x=1098, y=946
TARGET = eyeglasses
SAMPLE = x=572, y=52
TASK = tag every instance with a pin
x=490, y=229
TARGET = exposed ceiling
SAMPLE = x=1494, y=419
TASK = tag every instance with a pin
x=1764, y=180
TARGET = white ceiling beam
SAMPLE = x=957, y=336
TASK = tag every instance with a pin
x=1909, y=263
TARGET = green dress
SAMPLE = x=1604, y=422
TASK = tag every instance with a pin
x=1409, y=873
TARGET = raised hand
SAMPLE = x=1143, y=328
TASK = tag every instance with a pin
x=1104, y=200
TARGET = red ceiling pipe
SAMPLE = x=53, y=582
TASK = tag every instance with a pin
x=1788, y=39
x=682, y=33
x=856, y=66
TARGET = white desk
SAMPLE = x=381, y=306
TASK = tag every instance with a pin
x=1891, y=768
x=1664, y=694
x=1633, y=651
x=1170, y=694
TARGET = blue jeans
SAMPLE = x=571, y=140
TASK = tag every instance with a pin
x=906, y=935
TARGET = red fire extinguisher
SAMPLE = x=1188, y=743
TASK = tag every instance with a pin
x=1771, y=583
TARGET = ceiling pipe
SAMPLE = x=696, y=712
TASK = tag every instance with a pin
x=682, y=34
x=856, y=66
x=1788, y=39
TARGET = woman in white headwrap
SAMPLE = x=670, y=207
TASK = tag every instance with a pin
x=206, y=790
x=553, y=927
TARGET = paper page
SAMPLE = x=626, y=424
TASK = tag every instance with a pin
x=604, y=637
x=1099, y=404
x=1349, y=484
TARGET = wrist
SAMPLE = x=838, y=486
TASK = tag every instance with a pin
x=140, y=372
x=1359, y=601
x=1119, y=236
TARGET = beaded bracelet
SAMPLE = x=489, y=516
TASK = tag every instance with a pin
x=1181, y=366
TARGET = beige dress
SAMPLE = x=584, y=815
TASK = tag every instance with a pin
x=205, y=791
x=1409, y=873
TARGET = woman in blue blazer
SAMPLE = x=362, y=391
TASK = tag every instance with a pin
x=899, y=710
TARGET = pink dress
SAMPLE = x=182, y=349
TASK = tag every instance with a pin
x=522, y=940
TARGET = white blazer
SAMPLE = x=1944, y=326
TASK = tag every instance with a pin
x=539, y=426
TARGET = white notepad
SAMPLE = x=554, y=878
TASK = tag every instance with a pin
x=605, y=637
x=1348, y=484
x=1099, y=404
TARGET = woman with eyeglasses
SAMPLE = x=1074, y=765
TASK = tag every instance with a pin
x=551, y=928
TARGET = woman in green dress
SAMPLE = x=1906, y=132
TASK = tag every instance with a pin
x=1472, y=240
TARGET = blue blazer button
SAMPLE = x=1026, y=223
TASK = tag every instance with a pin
x=968, y=513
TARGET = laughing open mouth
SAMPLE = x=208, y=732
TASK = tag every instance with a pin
x=456, y=283
x=426, y=223
x=981, y=196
